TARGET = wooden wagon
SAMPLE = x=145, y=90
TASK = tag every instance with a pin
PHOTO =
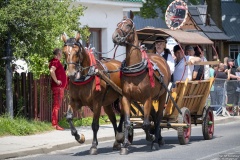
x=190, y=98
x=186, y=104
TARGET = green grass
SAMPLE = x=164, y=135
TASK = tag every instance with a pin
x=85, y=121
x=20, y=126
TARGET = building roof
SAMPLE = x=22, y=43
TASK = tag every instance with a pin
x=149, y=34
x=231, y=20
x=198, y=14
x=150, y=22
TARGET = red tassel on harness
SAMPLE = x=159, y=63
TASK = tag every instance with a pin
x=93, y=62
x=150, y=68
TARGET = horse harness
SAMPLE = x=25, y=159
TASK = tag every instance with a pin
x=92, y=68
x=140, y=68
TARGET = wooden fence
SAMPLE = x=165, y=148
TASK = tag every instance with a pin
x=33, y=99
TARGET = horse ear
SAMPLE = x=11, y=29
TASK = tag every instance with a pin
x=131, y=15
x=78, y=36
x=63, y=37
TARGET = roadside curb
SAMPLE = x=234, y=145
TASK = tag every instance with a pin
x=47, y=149
x=227, y=119
x=44, y=149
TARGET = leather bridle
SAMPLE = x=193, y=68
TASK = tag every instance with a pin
x=123, y=38
x=70, y=44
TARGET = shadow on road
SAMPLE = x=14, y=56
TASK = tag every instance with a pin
x=138, y=146
x=141, y=145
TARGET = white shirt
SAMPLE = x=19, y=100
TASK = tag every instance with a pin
x=170, y=62
x=206, y=69
x=179, y=70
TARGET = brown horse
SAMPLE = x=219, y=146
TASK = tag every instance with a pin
x=86, y=88
x=144, y=79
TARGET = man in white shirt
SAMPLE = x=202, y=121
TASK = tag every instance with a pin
x=160, y=48
x=183, y=65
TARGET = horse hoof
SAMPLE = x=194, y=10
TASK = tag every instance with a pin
x=155, y=146
x=120, y=137
x=123, y=151
x=93, y=151
x=150, y=138
x=161, y=142
x=116, y=146
x=81, y=139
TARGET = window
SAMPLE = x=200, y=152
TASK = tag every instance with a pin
x=95, y=41
x=234, y=50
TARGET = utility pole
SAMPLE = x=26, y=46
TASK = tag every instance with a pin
x=8, y=58
x=9, y=92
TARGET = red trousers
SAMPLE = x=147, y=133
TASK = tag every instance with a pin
x=58, y=94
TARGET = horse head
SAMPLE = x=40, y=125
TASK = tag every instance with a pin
x=125, y=31
x=75, y=56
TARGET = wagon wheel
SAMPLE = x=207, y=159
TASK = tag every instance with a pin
x=130, y=133
x=184, y=132
x=208, y=123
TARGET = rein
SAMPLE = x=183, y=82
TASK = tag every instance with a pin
x=97, y=52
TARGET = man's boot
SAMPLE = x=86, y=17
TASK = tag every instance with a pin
x=55, y=120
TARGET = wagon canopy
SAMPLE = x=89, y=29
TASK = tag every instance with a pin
x=148, y=35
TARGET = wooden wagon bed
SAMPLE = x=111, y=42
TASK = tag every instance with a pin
x=189, y=94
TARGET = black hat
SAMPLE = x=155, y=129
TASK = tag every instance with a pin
x=230, y=60
x=160, y=39
x=176, y=48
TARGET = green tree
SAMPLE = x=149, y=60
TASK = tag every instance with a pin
x=215, y=11
x=214, y=8
x=36, y=26
x=148, y=10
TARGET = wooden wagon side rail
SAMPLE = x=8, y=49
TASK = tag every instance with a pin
x=190, y=94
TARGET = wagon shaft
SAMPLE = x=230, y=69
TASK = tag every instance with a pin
x=109, y=81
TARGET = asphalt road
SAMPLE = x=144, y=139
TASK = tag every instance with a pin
x=225, y=145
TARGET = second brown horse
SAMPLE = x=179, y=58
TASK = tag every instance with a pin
x=144, y=79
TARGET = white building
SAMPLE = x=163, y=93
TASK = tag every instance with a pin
x=102, y=17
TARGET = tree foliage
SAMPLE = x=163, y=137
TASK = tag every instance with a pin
x=149, y=7
x=35, y=27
